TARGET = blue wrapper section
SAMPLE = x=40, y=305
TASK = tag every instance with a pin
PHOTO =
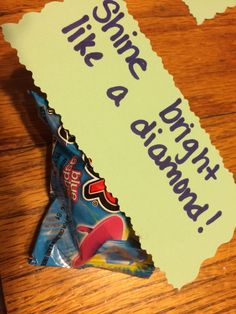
x=84, y=225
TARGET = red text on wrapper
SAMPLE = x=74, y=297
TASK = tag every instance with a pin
x=71, y=179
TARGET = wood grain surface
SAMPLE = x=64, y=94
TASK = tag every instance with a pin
x=202, y=60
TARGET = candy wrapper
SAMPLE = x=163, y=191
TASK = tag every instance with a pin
x=84, y=225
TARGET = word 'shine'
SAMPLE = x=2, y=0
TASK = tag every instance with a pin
x=80, y=33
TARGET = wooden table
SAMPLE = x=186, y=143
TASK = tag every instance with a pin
x=202, y=60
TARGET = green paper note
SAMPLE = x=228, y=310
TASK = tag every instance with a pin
x=113, y=93
x=207, y=9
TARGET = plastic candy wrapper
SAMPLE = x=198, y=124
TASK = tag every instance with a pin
x=84, y=225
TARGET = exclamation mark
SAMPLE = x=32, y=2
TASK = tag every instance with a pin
x=211, y=220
